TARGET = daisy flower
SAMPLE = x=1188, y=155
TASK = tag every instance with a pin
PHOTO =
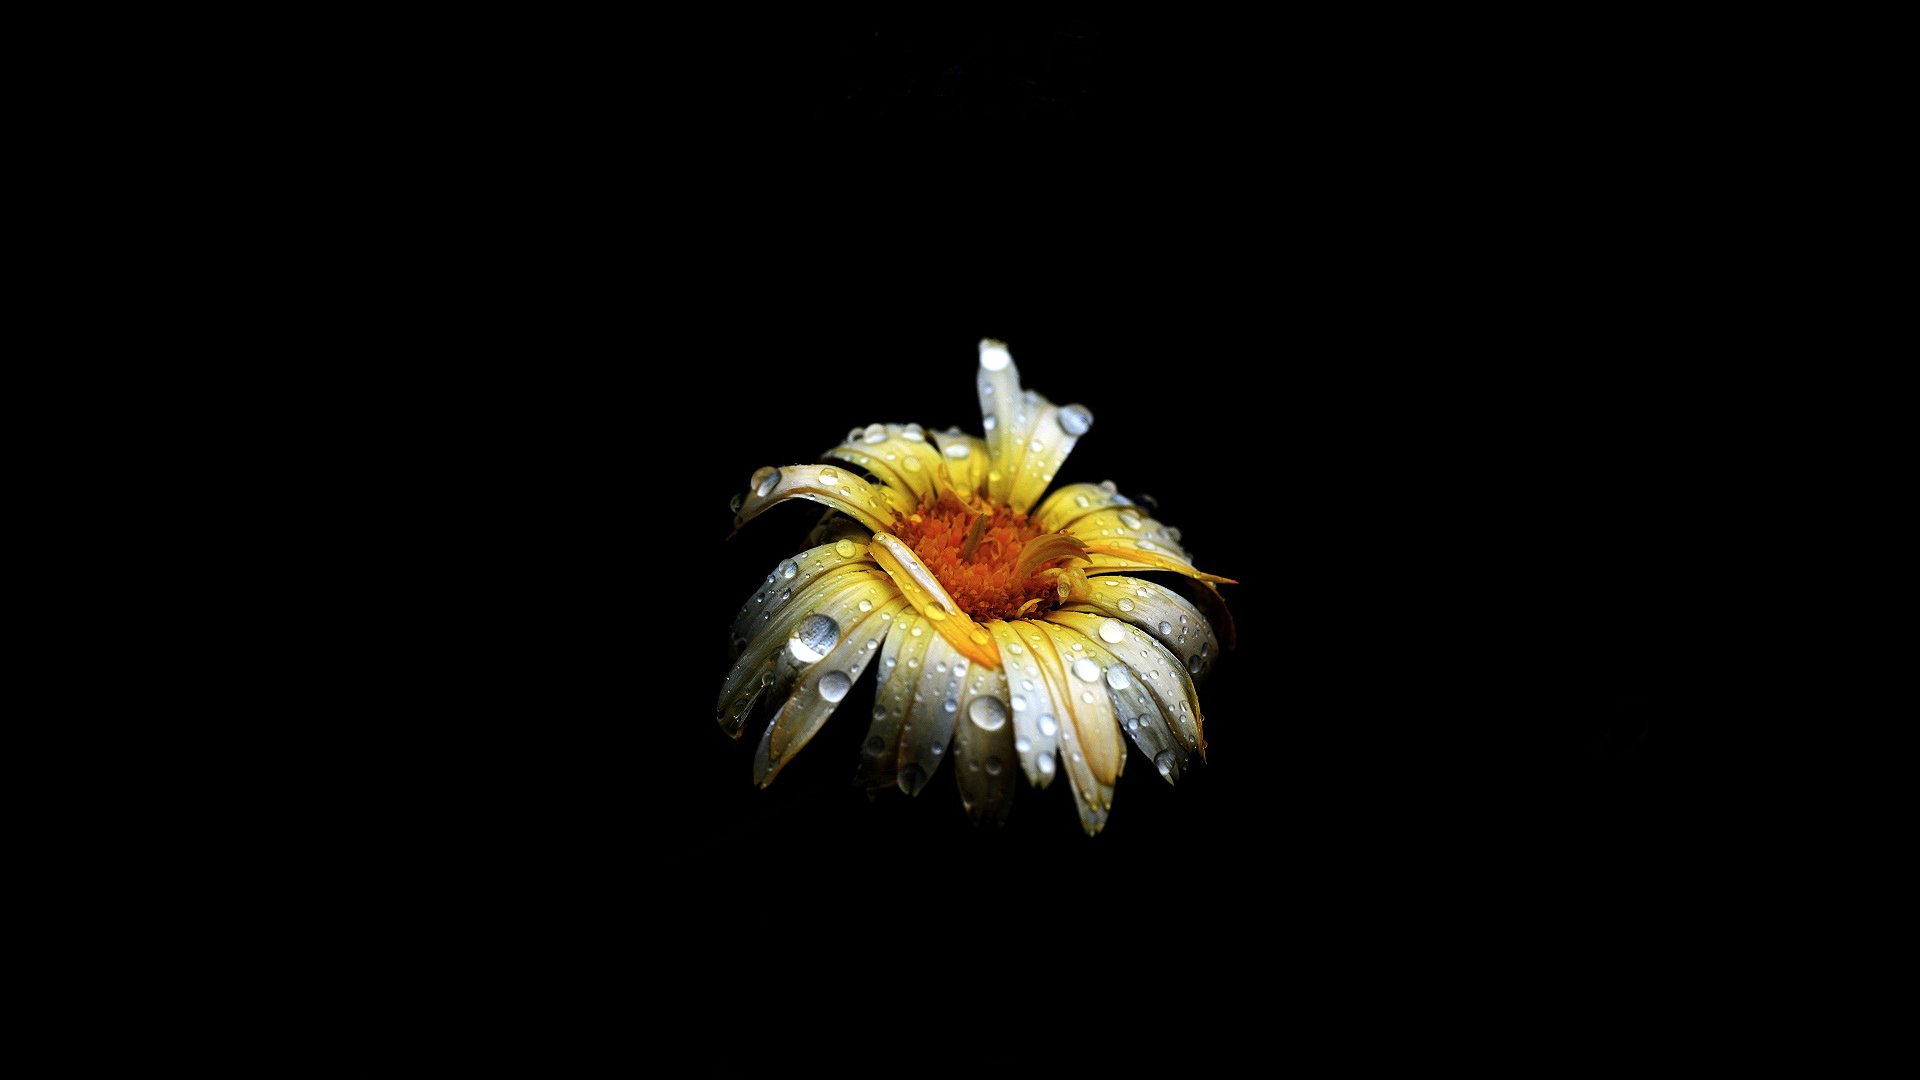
x=1009, y=632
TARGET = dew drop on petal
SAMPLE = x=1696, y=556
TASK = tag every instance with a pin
x=1164, y=761
x=1117, y=677
x=875, y=744
x=846, y=549
x=829, y=477
x=834, y=685
x=1166, y=628
x=1110, y=629
x=987, y=713
x=1075, y=419
x=1127, y=519
x=814, y=638
x=1045, y=765
x=914, y=433
x=738, y=501
x=788, y=569
x=994, y=356
x=1086, y=669
x=1034, y=446
x=1081, y=501
x=1015, y=648
x=875, y=433
x=1023, y=745
x=912, y=779
x=866, y=605
x=1048, y=727
x=765, y=480
x=1195, y=663
x=957, y=451
x=993, y=766
x=1124, y=605
x=949, y=705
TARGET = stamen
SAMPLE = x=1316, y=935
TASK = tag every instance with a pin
x=973, y=536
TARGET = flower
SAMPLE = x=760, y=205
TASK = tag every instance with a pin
x=1008, y=633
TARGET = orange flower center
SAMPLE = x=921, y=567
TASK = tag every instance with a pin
x=981, y=581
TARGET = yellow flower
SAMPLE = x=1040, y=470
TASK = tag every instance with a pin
x=1005, y=633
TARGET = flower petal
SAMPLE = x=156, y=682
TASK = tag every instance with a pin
x=1091, y=750
x=791, y=578
x=1010, y=414
x=872, y=505
x=1127, y=522
x=1111, y=555
x=1136, y=711
x=771, y=662
x=899, y=456
x=983, y=753
x=931, y=713
x=966, y=463
x=821, y=690
x=900, y=662
x=924, y=591
x=1075, y=501
x=1056, y=428
x=1159, y=611
x=1164, y=676
x=1036, y=725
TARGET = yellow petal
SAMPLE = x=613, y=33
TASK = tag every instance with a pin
x=1075, y=501
x=1050, y=438
x=791, y=578
x=930, y=599
x=966, y=462
x=899, y=456
x=1091, y=753
x=1159, y=611
x=1159, y=671
x=1008, y=413
x=1036, y=723
x=872, y=505
x=1045, y=547
x=1135, y=709
x=1110, y=555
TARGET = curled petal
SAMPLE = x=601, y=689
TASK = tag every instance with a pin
x=924, y=591
x=821, y=690
x=792, y=577
x=1158, y=610
x=1036, y=715
x=901, y=658
x=1164, y=676
x=1044, y=548
x=872, y=505
x=771, y=660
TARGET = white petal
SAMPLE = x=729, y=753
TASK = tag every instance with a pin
x=792, y=578
x=984, y=760
x=872, y=505
x=1091, y=751
x=1158, y=610
x=1164, y=676
x=900, y=661
x=769, y=663
x=1030, y=699
x=931, y=713
x=824, y=686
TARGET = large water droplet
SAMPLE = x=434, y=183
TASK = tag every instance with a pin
x=834, y=685
x=813, y=638
x=1166, y=628
x=914, y=433
x=1086, y=669
x=1117, y=677
x=1045, y=765
x=1019, y=702
x=1128, y=519
x=846, y=549
x=1075, y=419
x=1125, y=604
x=949, y=705
x=765, y=479
x=987, y=713
x=1048, y=727
x=957, y=451
x=994, y=355
x=1195, y=663
x=1111, y=631
x=829, y=477
x=787, y=569
x=1165, y=760
x=875, y=433
x=866, y=605
x=912, y=779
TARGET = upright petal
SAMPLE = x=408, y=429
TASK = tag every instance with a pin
x=1051, y=438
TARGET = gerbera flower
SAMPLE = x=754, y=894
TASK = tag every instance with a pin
x=1004, y=633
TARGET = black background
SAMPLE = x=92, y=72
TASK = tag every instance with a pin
x=1405, y=370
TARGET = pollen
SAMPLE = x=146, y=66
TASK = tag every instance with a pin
x=975, y=556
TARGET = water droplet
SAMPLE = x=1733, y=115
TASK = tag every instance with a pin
x=876, y=433
x=866, y=605
x=1133, y=723
x=834, y=685
x=957, y=451
x=813, y=638
x=1081, y=501
x=1165, y=761
x=875, y=744
x=1117, y=677
x=1019, y=702
x=1086, y=669
x=1125, y=604
x=846, y=549
x=829, y=477
x=1173, y=534
x=994, y=356
x=1026, y=684
x=1087, y=697
x=937, y=749
x=1045, y=765
x=1015, y=648
x=1075, y=419
x=949, y=705
x=1034, y=446
x=1023, y=745
x=936, y=614
x=1166, y=628
x=912, y=779
x=1111, y=631
x=1195, y=663
x=879, y=712
x=738, y=501
x=918, y=630
x=988, y=422
x=1141, y=591
x=788, y=568
x=912, y=464
x=1077, y=647
x=1048, y=727
x=987, y=713
x=872, y=644
x=1109, y=487
x=1129, y=520
x=914, y=433
x=765, y=479
x=993, y=766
